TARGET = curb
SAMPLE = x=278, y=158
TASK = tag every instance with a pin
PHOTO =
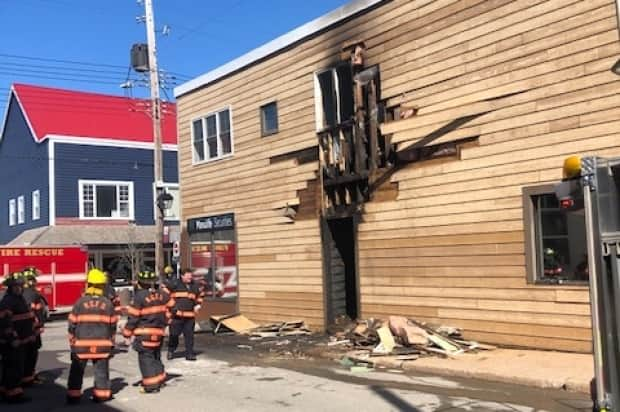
x=567, y=384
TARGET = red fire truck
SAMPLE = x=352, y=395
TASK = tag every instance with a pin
x=61, y=271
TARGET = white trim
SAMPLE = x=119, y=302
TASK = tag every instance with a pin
x=95, y=183
x=62, y=277
x=21, y=107
x=202, y=118
x=51, y=187
x=96, y=141
x=6, y=114
x=277, y=44
x=36, y=205
x=21, y=210
x=12, y=212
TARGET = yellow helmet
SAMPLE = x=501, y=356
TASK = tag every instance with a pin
x=168, y=270
x=96, y=277
x=147, y=276
x=15, y=278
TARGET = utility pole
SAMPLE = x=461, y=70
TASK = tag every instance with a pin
x=156, y=116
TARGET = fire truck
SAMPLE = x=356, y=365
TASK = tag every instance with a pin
x=61, y=271
x=592, y=184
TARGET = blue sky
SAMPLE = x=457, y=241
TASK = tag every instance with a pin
x=41, y=39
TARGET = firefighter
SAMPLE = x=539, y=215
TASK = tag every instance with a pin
x=92, y=326
x=36, y=303
x=186, y=294
x=148, y=315
x=16, y=332
x=169, y=280
x=110, y=293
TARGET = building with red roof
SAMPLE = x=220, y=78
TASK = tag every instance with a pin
x=77, y=168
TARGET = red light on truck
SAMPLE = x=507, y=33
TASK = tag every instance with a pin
x=567, y=203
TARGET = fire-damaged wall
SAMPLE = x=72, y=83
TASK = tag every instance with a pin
x=480, y=101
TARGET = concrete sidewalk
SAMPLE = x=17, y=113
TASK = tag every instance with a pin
x=558, y=370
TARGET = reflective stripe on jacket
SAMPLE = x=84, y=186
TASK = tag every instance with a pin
x=148, y=315
x=92, y=325
x=35, y=301
x=186, y=297
x=17, y=322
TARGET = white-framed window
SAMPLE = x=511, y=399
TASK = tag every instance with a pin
x=174, y=213
x=21, y=210
x=212, y=137
x=12, y=212
x=36, y=205
x=333, y=96
x=106, y=199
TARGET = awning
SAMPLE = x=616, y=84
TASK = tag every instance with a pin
x=85, y=235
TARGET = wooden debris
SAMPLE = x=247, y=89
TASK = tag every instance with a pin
x=339, y=342
x=294, y=328
x=444, y=344
x=387, y=342
x=401, y=339
x=236, y=323
x=410, y=334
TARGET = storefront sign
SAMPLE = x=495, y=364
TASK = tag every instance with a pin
x=211, y=223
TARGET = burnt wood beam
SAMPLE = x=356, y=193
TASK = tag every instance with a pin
x=336, y=181
x=373, y=126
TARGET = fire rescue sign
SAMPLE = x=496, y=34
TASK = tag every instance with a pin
x=211, y=223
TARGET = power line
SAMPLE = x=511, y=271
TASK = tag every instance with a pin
x=80, y=63
x=196, y=29
x=15, y=56
x=81, y=69
x=61, y=73
x=13, y=74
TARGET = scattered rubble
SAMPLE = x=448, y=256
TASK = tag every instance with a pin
x=362, y=343
x=399, y=339
x=240, y=324
x=295, y=328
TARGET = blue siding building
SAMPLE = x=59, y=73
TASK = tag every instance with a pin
x=77, y=168
x=24, y=170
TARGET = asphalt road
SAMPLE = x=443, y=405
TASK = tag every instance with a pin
x=231, y=378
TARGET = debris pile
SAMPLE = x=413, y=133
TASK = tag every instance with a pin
x=399, y=339
x=295, y=328
x=242, y=325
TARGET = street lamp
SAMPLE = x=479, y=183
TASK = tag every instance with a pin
x=163, y=201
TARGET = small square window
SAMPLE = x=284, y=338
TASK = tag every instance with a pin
x=269, y=118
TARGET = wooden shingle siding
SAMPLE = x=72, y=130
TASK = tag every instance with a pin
x=533, y=74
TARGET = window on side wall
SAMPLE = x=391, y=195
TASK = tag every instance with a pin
x=21, y=210
x=333, y=96
x=555, y=239
x=212, y=136
x=269, y=119
x=36, y=205
x=12, y=212
x=106, y=200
